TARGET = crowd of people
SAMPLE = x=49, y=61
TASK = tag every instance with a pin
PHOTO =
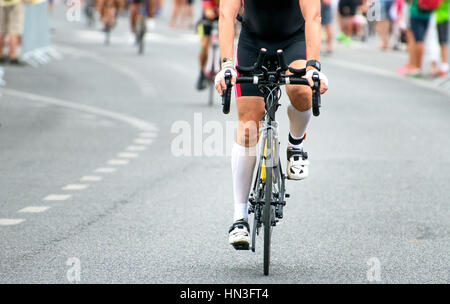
x=419, y=26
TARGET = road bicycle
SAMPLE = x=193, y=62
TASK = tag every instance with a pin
x=213, y=64
x=89, y=11
x=141, y=29
x=268, y=195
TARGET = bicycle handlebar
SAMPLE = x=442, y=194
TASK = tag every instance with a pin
x=271, y=78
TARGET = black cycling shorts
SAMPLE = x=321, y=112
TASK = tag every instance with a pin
x=248, y=49
x=207, y=25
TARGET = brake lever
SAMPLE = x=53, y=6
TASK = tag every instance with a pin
x=226, y=96
x=317, y=102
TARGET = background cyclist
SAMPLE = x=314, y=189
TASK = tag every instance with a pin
x=210, y=13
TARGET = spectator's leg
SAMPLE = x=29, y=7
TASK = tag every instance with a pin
x=329, y=31
x=13, y=45
x=3, y=28
x=16, y=20
x=443, y=41
x=2, y=45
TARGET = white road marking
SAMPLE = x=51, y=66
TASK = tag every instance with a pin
x=383, y=73
x=136, y=148
x=9, y=222
x=105, y=170
x=118, y=162
x=57, y=197
x=135, y=122
x=76, y=187
x=127, y=155
x=34, y=209
x=146, y=88
x=142, y=141
x=91, y=178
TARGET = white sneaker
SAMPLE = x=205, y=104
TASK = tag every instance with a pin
x=239, y=235
x=297, y=164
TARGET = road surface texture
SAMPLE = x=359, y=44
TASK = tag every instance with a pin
x=89, y=171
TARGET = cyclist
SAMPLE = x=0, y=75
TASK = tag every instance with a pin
x=210, y=13
x=108, y=10
x=295, y=27
x=134, y=7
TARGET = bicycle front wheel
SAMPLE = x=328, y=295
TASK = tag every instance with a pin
x=267, y=214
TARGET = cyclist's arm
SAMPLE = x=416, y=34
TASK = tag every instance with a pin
x=227, y=15
x=228, y=11
x=311, y=14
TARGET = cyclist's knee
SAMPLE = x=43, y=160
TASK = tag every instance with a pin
x=300, y=97
x=247, y=133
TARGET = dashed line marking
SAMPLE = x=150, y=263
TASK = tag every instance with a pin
x=91, y=178
x=128, y=155
x=57, y=197
x=75, y=187
x=9, y=222
x=34, y=209
x=136, y=148
x=143, y=141
x=118, y=162
x=105, y=170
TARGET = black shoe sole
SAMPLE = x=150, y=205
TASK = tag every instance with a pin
x=241, y=246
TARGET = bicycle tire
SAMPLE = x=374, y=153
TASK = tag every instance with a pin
x=141, y=45
x=107, y=34
x=267, y=214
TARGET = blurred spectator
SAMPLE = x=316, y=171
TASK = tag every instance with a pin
x=442, y=25
x=177, y=10
x=419, y=20
x=50, y=7
x=398, y=24
x=384, y=25
x=409, y=37
x=327, y=22
x=347, y=11
x=11, y=27
x=188, y=13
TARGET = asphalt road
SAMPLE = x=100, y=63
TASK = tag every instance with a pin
x=88, y=141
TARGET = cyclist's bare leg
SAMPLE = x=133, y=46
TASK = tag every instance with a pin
x=203, y=56
x=109, y=15
x=151, y=8
x=299, y=113
x=243, y=156
x=250, y=110
x=133, y=9
x=301, y=102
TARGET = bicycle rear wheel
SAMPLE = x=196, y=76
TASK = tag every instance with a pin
x=267, y=213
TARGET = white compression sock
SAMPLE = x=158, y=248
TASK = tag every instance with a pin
x=243, y=161
x=298, y=123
